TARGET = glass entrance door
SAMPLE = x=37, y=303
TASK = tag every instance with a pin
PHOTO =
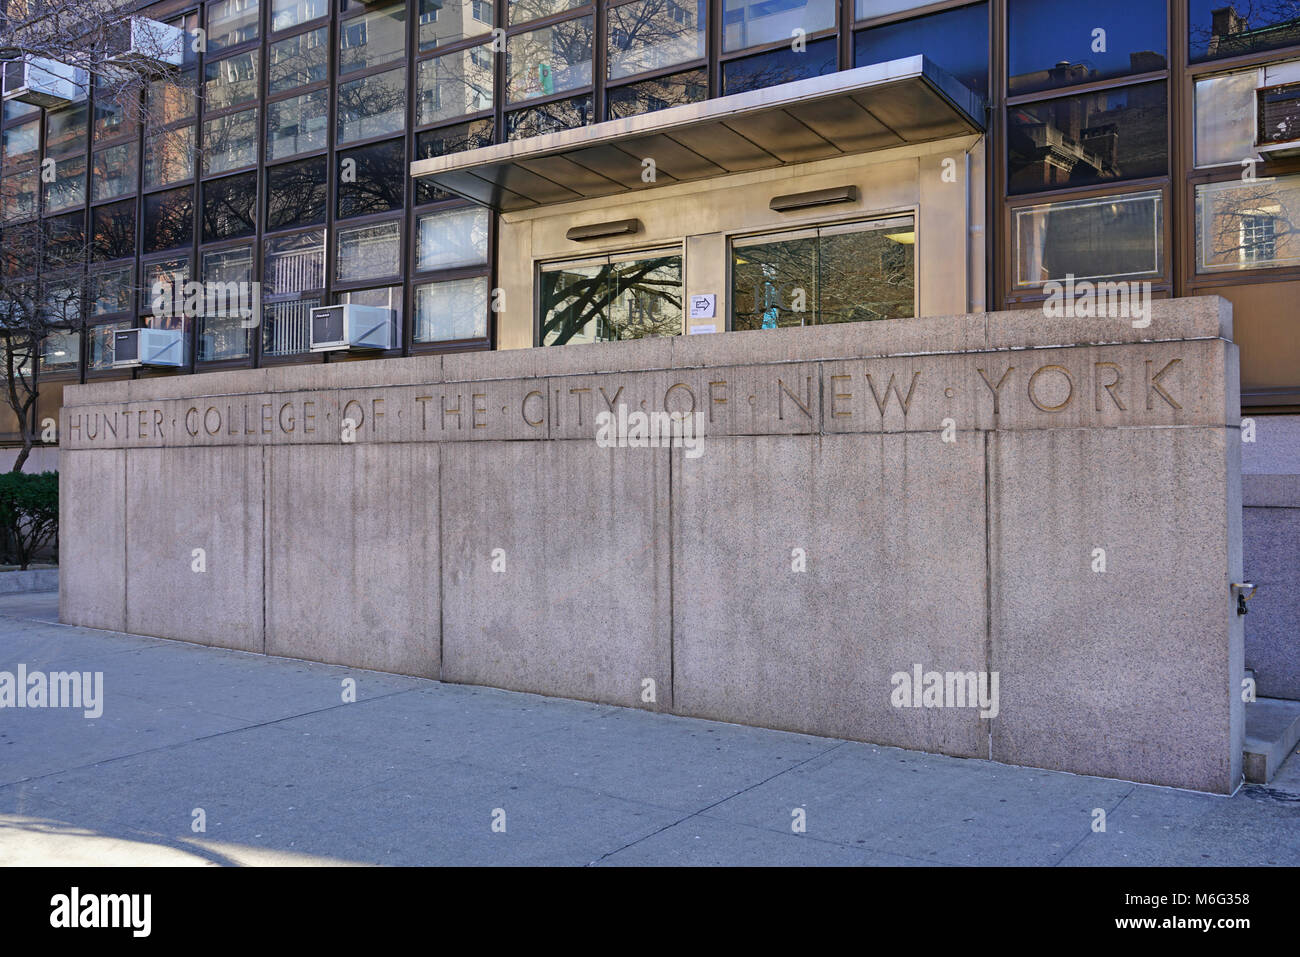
x=846, y=273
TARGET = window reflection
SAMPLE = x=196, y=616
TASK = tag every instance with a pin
x=1254, y=225
x=550, y=60
x=1058, y=44
x=850, y=273
x=379, y=179
x=956, y=40
x=1082, y=140
x=612, y=298
x=296, y=194
x=652, y=34
x=1219, y=29
x=650, y=95
x=549, y=118
x=455, y=84
x=748, y=23
x=168, y=219
x=446, y=21
x=780, y=66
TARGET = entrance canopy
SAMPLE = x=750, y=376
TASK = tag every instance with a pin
x=854, y=111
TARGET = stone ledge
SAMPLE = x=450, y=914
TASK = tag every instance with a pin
x=1203, y=317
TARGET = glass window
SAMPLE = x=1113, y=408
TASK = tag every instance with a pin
x=451, y=238
x=19, y=195
x=171, y=101
x=447, y=21
x=1225, y=119
x=450, y=311
x=612, y=298
x=61, y=351
x=100, y=340
x=230, y=207
x=223, y=336
x=444, y=140
x=454, y=84
x=1248, y=225
x=20, y=143
x=65, y=131
x=299, y=60
x=386, y=297
x=650, y=95
x=296, y=193
x=780, y=66
x=294, y=265
x=168, y=156
x=16, y=109
x=113, y=231
x=525, y=11
x=111, y=119
x=65, y=240
x=550, y=118
x=380, y=179
x=956, y=40
x=290, y=13
x=1111, y=237
x=286, y=326
x=1220, y=29
x=231, y=81
x=1082, y=140
x=749, y=23
x=550, y=60
x=168, y=219
x=230, y=142
x=115, y=172
x=1059, y=44
x=110, y=291
x=69, y=186
x=372, y=106
x=231, y=22
x=851, y=273
x=372, y=39
x=652, y=34
x=299, y=124
x=369, y=252
x=164, y=283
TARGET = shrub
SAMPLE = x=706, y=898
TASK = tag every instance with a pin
x=29, y=512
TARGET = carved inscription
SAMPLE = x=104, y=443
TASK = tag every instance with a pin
x=833, y=396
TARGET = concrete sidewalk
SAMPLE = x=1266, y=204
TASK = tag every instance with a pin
x=414, y=772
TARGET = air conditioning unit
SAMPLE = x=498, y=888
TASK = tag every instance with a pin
x=139, y=41
x=133, y=348
x=44, y=83
x=1278, y=120
x=351, y=327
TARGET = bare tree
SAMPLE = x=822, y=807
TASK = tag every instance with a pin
x=46, y=293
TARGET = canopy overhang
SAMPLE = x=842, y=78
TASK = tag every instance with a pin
x=869, y=108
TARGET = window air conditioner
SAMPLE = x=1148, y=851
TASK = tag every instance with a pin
x=351, y=327
x=148, y=347
x=44, y=83
x=141, y=41
x=1278, y=123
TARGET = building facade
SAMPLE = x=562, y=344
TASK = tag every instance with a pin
x=517, y=175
